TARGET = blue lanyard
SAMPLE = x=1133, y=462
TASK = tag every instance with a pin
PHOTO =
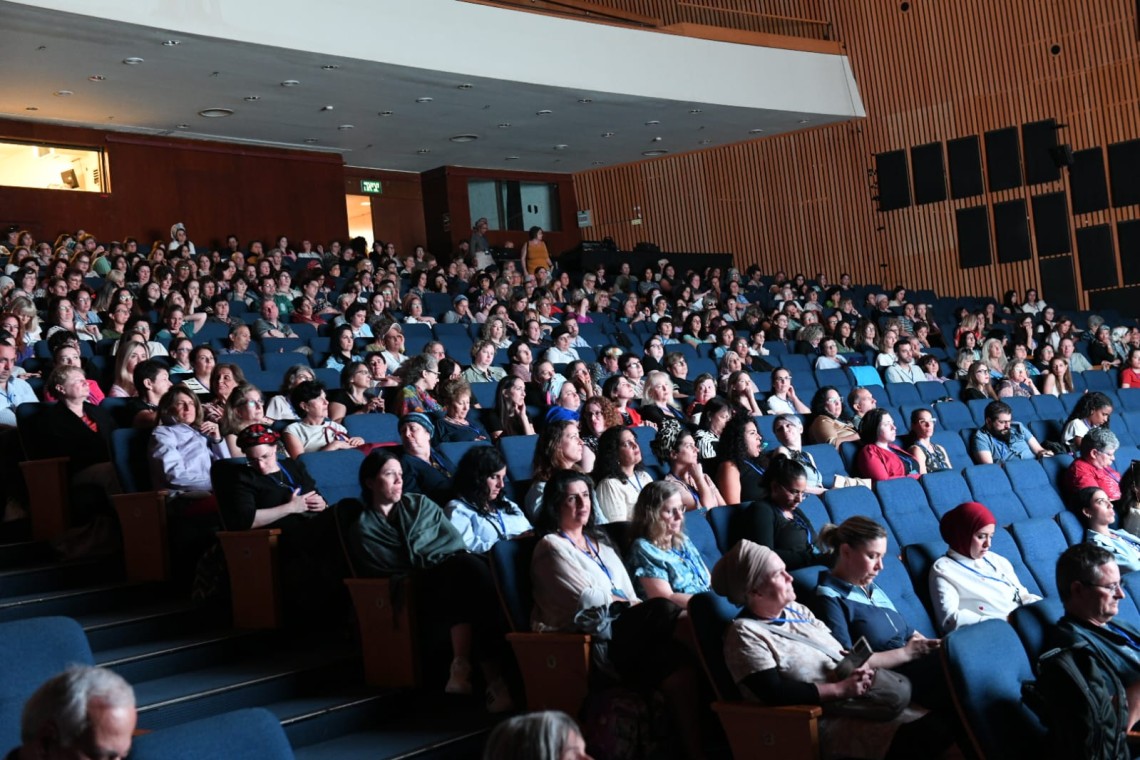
x=591, y=551
x=999, y=578
x=692, y=491
x=498, y=514
x=697, y=568
x=788, y=617
x=754, y=467
x=288, y=477
x=1129, y=639
x=637, y=480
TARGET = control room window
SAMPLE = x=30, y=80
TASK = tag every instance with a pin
x=53, y=167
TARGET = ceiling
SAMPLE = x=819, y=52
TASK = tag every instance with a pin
x=82, y=71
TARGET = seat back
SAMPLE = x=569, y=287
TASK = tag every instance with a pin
x=1040, y=542
x=907, y=510
x=710, y=615
x=977, y=407
x=1055, y=467
x=955, y=448
x=954, y=415
x=1032, y=622
x=827, y=460
x=518, y=451
x=918, y=559
x=727, y=525
x=903, y=393
x=374, y=428
x=131, y=458
x=336, y=473
x=1048, y=407
x=858, y=500
x=510, y=568
x=700, y=532
x=455, y=450
x=945, y=490
x=989, y=485
x=250, y=734
x=895, y=581
x=988, y=698
x=1032, y=486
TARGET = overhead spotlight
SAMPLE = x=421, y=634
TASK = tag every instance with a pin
x=132, y=61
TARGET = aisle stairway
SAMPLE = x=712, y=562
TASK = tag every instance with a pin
x=186, y=662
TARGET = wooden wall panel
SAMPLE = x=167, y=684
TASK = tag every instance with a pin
x=213, y=188
x=941, y=70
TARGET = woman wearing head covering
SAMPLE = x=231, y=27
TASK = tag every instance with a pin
x=779, y=653
x=971, y=583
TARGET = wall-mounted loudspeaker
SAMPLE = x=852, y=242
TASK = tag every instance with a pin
x=1062, y=155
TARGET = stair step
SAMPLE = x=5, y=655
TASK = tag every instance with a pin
x=257, y=680
x=20, y=553
x=321, y=717
x=151, y=659
x=78, y=602
x=164, y=619
x=58, y=576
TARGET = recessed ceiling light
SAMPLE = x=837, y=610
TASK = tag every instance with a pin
x=595, y=163
x=511, y=158
x=330, y=67
x=132, y=61
x=543, y=112
x=346, y=127
x=607, y=134
x=62, y=93
x=803, y=121
x=652, y=123
x=290, y=83
x=585, y=100
x=755, y=131
x=252, y=98
x=694, y=110
x=31, y=108
x=423, y=151
x=654, y=152
x=171, y=43
x=310, y=141
x=465, y=86
x=706, y=141
x=561, y=146
x=504, y=125
x=464, y=138
x=97, y=78
x=423, y=100
x=182, y=126
x=384, y=113
x=215, y=113
x=326, y=108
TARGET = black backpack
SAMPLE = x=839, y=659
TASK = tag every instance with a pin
x=1082, y=704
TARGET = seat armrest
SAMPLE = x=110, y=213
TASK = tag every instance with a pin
x=555, y=669
x=255, y=587
x=790, y=732
x=385, y=613
x=48, y=498
x=146, y=543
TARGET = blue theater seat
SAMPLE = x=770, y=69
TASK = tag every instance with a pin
x=945, y=490
x=1032, y=622
x=1048, y=407
x=1040, y=542
x=518, y=451
x=955, y=448
x=907, y=510
x=1031, y=484
x=336, y=473
x=827, y=460
x=954, y=416
x=379, y=427
x=989, y=485
x=842, y=503
x=250, y=734
x=903, y=393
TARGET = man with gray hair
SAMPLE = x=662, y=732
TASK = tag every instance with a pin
x=1094, y=467
x=82, y=712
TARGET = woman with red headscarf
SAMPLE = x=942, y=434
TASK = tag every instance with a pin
x=971, y=583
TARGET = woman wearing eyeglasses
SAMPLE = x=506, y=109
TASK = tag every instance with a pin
x=245, y=407
x=778, y=523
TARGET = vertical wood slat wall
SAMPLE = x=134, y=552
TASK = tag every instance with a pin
x=938, y=71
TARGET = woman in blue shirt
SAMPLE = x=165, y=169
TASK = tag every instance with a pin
x=663, y=559
x=480, y=511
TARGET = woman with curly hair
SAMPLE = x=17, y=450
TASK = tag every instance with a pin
x=825, y=425
x=495, y=330
x=620, y=391
x=596, y=416
x=619, y=474
x=421, y=376
x=663, y=560
x=481, y=511
x=1093, y=410
x=741, y=468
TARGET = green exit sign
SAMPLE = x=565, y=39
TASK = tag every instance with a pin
x=370, y=186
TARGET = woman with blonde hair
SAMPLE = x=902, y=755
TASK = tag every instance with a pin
x=663, y=560
x=244, y=407
x=978, y=385
x=657, y=401
x=993, y=354
x=130, y=354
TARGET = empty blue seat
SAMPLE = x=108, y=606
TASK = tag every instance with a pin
x=1102, y=381
x=989, y=698
x=989, y=485
x=907, y=510
x=894, y=580
x=977, y=409
x=1070, y=400
x=918, y=559
x=250, y=734
x=1031, y=484
x=249, y=363
x=336, y=473
x=1048, y=407
x=279, y=364
x=1071, y=527
x=903, y=393
x=518, y=451
x=1055, y=467
x=483, y=394
x=945, y=490
x=812, y=506
x=1033, y=622
x=842, y=503
x=800, y=367
x=700, y=532
x=374, y=428
x=1129, y=398
x=1004, y=545
x=954, y=416
x=763, y=381
x=1040, y=542
x=834, y=377
x=847, y=452
x=1023, y=410
x=281, y=345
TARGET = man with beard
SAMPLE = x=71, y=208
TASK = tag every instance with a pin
x=1002, y=439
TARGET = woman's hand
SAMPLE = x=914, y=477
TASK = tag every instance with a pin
x=209, y=429
x=355, y=441
x=857, y=684
x=314, y=502
x=920, y=646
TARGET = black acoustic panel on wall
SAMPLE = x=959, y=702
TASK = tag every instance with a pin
x=1051, y=224
x=1098, y=260
x=1124, y=166
x=973, y=237
x=1011, y=231
x=1036, y=139
x=1086, y=176
x=929, y=173
x=1003, y=159
x=1129, y=235
x=1058, y=283
x=965, y=159
x=894, y=184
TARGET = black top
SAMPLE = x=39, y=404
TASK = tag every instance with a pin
x=790, y=539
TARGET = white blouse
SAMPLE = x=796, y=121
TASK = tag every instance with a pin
x=964, y=591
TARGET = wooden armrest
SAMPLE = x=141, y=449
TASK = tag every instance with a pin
x=255, y=588
x=790, y=732
x=48, y=498
x=387, y=631
x=146, y=545
x=555, y=669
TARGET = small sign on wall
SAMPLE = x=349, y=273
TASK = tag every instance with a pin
x=371, y=187
x=585, y=218
x=447, y=222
